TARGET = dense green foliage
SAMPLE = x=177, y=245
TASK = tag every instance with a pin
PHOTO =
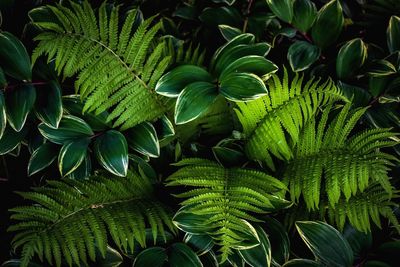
x=202, y=133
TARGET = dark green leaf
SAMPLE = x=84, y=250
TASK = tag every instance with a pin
x=359, y=242
x=154, y=257
x=11, y=139
x=229, y=32
x=350, y=58
x=48, y=107
x=360, y=96
x=165, y=129
x=112, y=259
x=186, y=12
x=229, y=2
x=172, y=83
x=42, y=158
x=72, y=154
x=279, y=239
x=212, y=17
x=393, y=34
x=3, y=81
x=83, y=171
x=376, y=264
x=201, y=243
x=194, y=100
x=302, y=263
x=304, y=14
x=70, y=128
x=259, y=255
x=19, y=102
x=210, y=259
x=3, y=117
x=326, y=243
x=283, y=9
x=182, y=255
x=228, y=157
x=17, y=263
x=111, y=151
x=302, y=55
x=190, y=223
x=143, y=139
x=328, y=24
x=381, y=68
x=14, y=58
x=242, y=87
x=257, y=65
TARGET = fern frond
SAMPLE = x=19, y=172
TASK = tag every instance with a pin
x=70, y=216
x=116, y=68
x=286, y=108
x=227, y=198
x=326, y=159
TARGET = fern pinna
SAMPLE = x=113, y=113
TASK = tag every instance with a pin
x=330, y=164
x=286, y=108
x=71, y=219
x=115, y=68
x=227, y=199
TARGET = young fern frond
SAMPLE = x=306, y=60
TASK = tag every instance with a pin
x=115, y=68
x=286, y=109
x=70, y=217
x=227, y=198
x=326, y=159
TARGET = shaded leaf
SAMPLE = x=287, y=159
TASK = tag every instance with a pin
x=154, y=257
x=393, y=34
x=71, y=155
x=302, y=55
x=182, y=255
x=143, y=139
x=42, y=157
x=350, y=58
x=304, y=13
x=283, y=9
x=48, y=106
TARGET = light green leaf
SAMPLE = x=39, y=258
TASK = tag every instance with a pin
x=304, y=14
x=70, y=128
x=111, y=151
x=194, y=100
x=173, y=82
x=154, y=257
x=326, y=243
x=143, y=139
x=182, y=255
x=72, y=154
x=283, y=9
x=328, y=24
x=393, y=34
x=351, y=57
x=14, y=58
x=242, y=87
x=302, y=55
x=19, y=102
x=257, y=65
x=48, y=106
x=42, y=158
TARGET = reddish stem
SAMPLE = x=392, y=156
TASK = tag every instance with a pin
x=18, y=84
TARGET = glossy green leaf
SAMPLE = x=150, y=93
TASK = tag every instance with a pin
x=11, y=139
x=359, y=242
x=194, y=100
x=48, y=107
x=302, y=263
x=229, y=32
x=83, y=171
x=3, y=81
x=328, y=24
x=210, y=259
x=214, y=16
x=17, y=263
x=14, y=58
x=3, y=117
x=242, y=87
x=165, y=129
x=186, y=11
x=173, y=82
x=381, y=68
x=351, y=57
x=259, y=255
x=257, y=65
x=70, y=128
x=72, y=154
x=19, y=102
x=393, y=34
x=229, y=157
x=304, y=14
x=143, y=139
x=200, y=243
x=111, y=151
x=302, y=55
x=326, y=243
x=154, y=257
x=190, y=223
x=182, y=255
x=279, y=239
x=42, y=157
x=112, y=258
x=283, y=9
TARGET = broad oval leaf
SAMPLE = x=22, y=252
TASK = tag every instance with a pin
x=42, y=157
x=194, y=100
x=351, y=57
x=259, y=255
x=257, y=65
x=302, y=263
x=360, y=242
x=201, y=243
x=283, y=9
x=83, y=171
x=154, y=257
x=326, y=243
x=381, y=68
x=181, y=254
x=14, y=58
x=393, y=34
x=72, y=154
x=143, y=139
x=304, y=13
x=229, y=32
x=3, y=117
x=279, y=239
x=48, y=107
x=18, y=262
x=11, y=139
x=173, y=82
x=19, y=102
x=302, y=55
x=70, y=128
x=328, y=24
x=190, y=223
x=242, y=87
x=111, y=150
x=165, y=130
x=112, y=258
